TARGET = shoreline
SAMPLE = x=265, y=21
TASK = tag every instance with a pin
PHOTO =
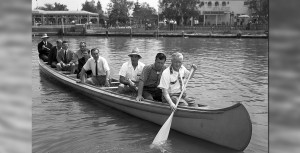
x=169, y=34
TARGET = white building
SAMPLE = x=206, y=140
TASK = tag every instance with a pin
x=223, y=12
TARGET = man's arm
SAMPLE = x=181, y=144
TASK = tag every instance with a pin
x=82, y=75
x=144, y=77
x=71, y=55
x=168, y=98
x=126, y=81
x=107, y=78
x=140, y=91
x=59, y=58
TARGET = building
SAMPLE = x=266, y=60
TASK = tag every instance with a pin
x=41, y=17
x=224, y=12
x=221, y=12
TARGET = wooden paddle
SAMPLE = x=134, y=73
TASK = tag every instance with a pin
x=163, y=133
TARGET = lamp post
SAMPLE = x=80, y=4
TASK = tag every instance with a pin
x=62, y=24
x=231, y=14
x=157, y=23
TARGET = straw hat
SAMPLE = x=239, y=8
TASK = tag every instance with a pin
x=135, y=51
x=45, y=36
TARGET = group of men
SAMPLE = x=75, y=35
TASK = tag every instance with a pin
x=153, y=82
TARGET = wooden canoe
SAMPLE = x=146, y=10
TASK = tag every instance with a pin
x=230, y=127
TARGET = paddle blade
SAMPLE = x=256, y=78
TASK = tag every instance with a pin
x=163, y=133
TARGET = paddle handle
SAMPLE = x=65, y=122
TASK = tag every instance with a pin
x=191, y=72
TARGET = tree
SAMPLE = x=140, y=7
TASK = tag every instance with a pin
x=144, y=12
x=179, y=10
x=99, y=8
x=89, y=6
x=260, y=8
x=119, y=11
x=55, y=7
x=60, y=7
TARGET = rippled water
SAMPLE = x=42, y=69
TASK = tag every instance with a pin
x=229, y=71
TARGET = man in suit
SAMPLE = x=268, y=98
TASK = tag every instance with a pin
x=44, y=48
x=65, y=59
x=52, y=60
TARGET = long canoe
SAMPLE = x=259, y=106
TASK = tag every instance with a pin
x=230, y=127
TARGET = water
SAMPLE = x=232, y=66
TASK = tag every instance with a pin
x=229, y=71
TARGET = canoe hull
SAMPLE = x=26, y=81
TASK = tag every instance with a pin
x=230, y=127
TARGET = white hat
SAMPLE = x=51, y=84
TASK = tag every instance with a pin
x=135, y=51
x=45, y=36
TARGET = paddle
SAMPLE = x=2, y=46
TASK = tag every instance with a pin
x=163, y=133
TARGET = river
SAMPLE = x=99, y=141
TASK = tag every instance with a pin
x=229, y=71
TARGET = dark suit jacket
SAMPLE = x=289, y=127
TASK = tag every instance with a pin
x=44, y=51
x=52, y=55
x=81, y=63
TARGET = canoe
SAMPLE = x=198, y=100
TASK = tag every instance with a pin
x=229, y=127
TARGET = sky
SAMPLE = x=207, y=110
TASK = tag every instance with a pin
x=73, y=5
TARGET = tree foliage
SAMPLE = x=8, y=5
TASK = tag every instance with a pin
x=99, y=8
x=179, y=10
x=55, y=7
x=89, y=6
x=119, y=11
x=143, y=12
x=260, y=8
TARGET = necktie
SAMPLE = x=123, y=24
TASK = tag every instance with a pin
x=96, y=68
x=65, y=58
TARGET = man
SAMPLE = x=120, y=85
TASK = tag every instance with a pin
x=79, y=54
x=100, y=70
x=172, y=81
x=65, y=59
x=82, y=61
x=150, y=79
x=52, y=58
x=44, y=48
x=130, y=72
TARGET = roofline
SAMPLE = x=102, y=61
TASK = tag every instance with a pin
x=62, y=12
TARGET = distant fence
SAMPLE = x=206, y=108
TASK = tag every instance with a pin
x=256, y=28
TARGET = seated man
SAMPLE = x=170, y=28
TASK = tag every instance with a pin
x=52, y=58
x=44, y=48
x=100, y=70
x=130, y=72
x=150, y=78
x=82, y=61
x=65, y=59
x=172, y=81
x=79, y=54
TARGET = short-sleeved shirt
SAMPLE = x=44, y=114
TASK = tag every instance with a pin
x=102, y=66
x=129, y=72
x=150, y=76
x=169, y=79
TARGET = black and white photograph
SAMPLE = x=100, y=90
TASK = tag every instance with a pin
x=135, y=76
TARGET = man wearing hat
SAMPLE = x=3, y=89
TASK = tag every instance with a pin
x=130, y=73
x=44, y=48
